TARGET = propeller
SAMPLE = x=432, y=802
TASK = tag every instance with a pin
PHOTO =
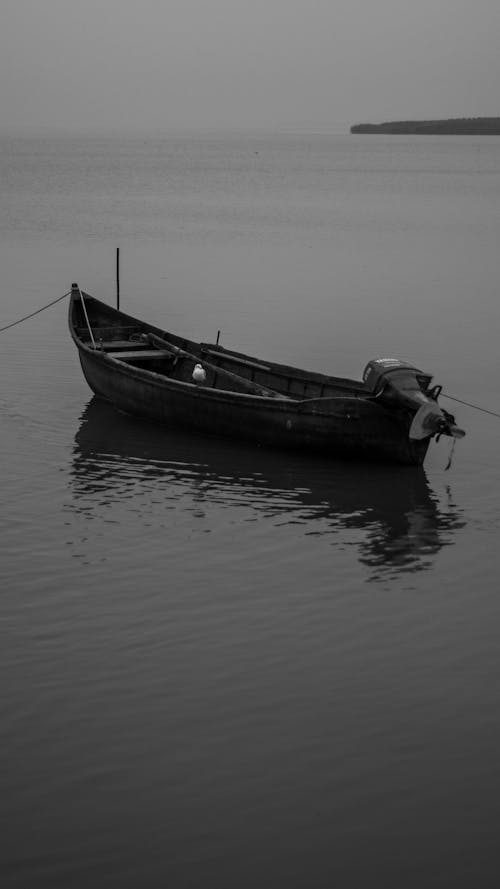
x=430, y=419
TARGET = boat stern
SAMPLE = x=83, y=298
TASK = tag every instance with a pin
x=402, y=386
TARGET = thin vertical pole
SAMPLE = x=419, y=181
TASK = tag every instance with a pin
x=86, y=316
x=118, y=278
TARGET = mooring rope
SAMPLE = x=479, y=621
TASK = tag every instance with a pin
x=468, y=403
x=54, y=301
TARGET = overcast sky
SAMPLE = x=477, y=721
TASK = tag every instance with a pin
x=167, y=64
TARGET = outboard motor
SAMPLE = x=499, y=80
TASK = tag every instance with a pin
x=400, y=385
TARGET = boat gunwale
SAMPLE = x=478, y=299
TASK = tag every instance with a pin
x=315, y=405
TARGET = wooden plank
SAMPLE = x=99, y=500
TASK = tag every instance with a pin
x=116, y=345
x=142, y=354
x=220, y=353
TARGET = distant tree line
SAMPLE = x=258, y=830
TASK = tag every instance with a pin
x=454, y=126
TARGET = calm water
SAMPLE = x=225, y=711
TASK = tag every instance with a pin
x=223, y=666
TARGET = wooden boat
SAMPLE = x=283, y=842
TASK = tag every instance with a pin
x=391, y=415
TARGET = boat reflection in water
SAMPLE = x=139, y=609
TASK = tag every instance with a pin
x=390, y=514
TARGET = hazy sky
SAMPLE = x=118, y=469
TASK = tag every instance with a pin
x=166, y=64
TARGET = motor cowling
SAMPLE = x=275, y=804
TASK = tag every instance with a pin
x=400, y=385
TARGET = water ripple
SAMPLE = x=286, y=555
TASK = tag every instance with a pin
x=121, y=465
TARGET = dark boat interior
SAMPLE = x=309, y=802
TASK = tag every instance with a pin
x=143, y=346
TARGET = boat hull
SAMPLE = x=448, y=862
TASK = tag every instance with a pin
x=354, y=428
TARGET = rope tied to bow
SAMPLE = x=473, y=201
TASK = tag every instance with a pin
x=37, y=312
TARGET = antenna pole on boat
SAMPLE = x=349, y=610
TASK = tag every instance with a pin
x=118, y=278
